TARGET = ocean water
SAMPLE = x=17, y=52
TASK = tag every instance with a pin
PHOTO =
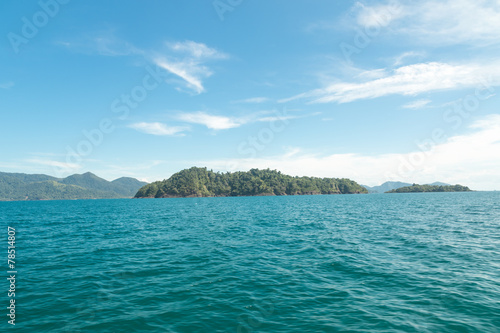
x=421, y=262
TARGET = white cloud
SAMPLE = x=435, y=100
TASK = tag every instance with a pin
x=254, y=100
x=210, y=121
x=186, y=59
x=104, y=43
x=281, y=117
x=399, y=60
x=408, y=80
x=158, y=128
x=63, y=167
x=191, y=73
x=197, y=50
x=372, y=74
x=277, y=118
x=471, y=159
x=112, y=47
x=437, y=21
x=379, y=15
x=418, y=104
x=216, y=122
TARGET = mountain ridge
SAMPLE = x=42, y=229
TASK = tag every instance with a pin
x=22, y=186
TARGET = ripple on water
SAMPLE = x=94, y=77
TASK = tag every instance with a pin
x=360, y=263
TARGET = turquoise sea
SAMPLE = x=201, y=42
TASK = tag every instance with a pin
x=419, y=262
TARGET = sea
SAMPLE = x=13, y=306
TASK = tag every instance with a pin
x=415, y=262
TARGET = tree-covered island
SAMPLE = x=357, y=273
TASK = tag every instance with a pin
x=430, y=188
x=200, y=182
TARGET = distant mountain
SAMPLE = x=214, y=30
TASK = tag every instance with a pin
x=128, y=185
x=389, y=186
x=20, y=186
x=439, y=184
x=88, y=180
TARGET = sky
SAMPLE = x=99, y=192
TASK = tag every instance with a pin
x=373, y=91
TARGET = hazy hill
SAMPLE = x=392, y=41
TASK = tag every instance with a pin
x=389, y=186
x=439, y=184
x=200, y=182
x=20, y=186
x=128, y=185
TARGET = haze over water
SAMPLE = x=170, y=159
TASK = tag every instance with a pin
x=425, y=262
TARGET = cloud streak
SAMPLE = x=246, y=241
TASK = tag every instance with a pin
x=186, y=61
x=436, y=21
x=217, y=122
x=410, y=80
x=253, y=100
x=211, y=121
x=65, y=167
x=419, y=104
x=159, y=129
x=196, y=50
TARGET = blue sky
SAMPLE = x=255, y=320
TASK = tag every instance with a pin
x=367, y=90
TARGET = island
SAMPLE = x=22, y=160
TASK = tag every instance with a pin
x=200, y=182
x=430, y=188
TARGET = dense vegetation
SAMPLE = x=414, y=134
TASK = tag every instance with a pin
x=200, y=182
x=388, y=186
x=430, y=188
x=19, y=186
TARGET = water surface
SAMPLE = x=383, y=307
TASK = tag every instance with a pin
x=418, y=262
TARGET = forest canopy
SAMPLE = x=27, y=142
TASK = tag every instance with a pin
x=430, y=188
x=200, y=182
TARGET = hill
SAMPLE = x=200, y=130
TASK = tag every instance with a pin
x=430, y=188
x=20, y=186
x=439, y=184
x=127, y=185
x=200, y=182
x=389, y=186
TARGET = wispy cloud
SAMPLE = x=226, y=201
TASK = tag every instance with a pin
x=64, y=167
x=104, y=43
x=253, y=100
x=379, y=15
x=419, y=104
x=437, y=21
x=197, y=50
x=158, y=128
x=211, y=121
x=218, y=122
x=191, y=73
x=279, y=117
x=6, y=85
x=408, y=80
x=186, y=61
x=110, y=46
x=402, y=58
x=471, y=159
